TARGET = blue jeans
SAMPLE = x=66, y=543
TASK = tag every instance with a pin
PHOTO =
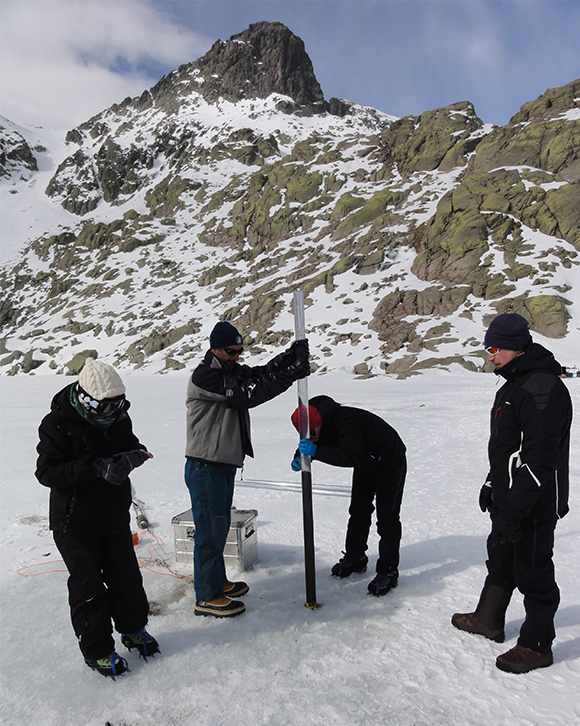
x=211, y=487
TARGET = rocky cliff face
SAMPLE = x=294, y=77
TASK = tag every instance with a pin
x=232, y=182
x=264, y=59
x=17, y=159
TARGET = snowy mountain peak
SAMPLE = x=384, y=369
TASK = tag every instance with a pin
x=232, y=183
x=265, y=58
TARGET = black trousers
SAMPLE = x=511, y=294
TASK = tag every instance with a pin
x=527, y=564
x=105, y=586
x=385, y=489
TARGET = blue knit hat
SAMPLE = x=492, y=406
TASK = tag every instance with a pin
x=508, y=332
x=224, y=334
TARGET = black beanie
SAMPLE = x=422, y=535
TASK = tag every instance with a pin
x=224, y=334
x=508, y=332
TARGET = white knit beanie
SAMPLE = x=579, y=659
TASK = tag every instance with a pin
x=100, y=380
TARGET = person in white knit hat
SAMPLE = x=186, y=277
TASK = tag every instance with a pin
x=86, y=452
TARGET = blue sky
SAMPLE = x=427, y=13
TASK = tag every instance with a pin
x=61, y=61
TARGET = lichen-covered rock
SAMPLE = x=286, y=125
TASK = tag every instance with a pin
x=156, y=341
x=379, y=209
x=455, y=240
x=76, y=363
x=546, y=314
x=442, y=138
x=164, y=199
x=539, y=135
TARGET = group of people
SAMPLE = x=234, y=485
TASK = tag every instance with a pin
x=87, y=451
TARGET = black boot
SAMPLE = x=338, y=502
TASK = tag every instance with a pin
x=347, y=565
x=383, y=583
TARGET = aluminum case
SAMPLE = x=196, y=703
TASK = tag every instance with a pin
x=241, y=550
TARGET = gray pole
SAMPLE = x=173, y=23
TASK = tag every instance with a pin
x=304, y=431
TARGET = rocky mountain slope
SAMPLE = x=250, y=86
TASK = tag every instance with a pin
x=233, y=182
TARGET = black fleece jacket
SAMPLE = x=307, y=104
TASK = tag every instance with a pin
x=79, y=499
x=530, y=439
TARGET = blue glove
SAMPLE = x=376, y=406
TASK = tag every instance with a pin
x=296, y=464
x=307, y=447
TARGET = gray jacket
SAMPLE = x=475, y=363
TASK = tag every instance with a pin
x=218, y=399
x=214, y=429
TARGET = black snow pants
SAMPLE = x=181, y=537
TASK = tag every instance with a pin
x=104, y=585
x=385, y=489
x=527, y=564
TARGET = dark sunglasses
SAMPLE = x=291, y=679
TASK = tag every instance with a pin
x=492, y=350
x=234, y=351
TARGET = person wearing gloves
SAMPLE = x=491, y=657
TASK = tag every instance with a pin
x=87, y=450
x=220, y=393
x=526, y=491
x=352, y=437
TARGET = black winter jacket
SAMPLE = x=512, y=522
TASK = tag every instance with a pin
x=79, y=499
x=530, y=439
x=355, y=437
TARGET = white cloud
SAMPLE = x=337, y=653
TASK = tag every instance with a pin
x=65, y=60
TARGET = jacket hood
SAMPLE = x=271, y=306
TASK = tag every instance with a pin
x=325, y=405
x=61, y=402
x=535, y=357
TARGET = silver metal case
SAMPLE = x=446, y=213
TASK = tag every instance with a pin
x=241, y=550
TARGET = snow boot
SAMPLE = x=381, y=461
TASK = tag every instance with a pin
x=522, y=660
x=383, y=583
x=145, y=643
x=228, y=610
x=113, y=665
x=492, y=606
x=347, y=565
x=489, y=616
x=470, y=624
x=237, y=590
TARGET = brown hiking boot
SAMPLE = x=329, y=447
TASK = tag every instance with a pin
x=469, y=623
x=522, y=660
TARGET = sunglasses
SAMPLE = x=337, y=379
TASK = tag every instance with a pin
x=233, y=351
x=492, y=350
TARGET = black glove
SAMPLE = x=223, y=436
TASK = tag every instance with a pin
x=296, y=352
x=299, y=369
x=301, y=349
x=485, y=497
x=115, y=469
x=506, y=531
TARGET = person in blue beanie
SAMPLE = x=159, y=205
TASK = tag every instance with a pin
x=219, y=394
x=525, y=492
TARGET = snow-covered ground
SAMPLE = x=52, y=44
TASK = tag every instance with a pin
x=357, y=659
